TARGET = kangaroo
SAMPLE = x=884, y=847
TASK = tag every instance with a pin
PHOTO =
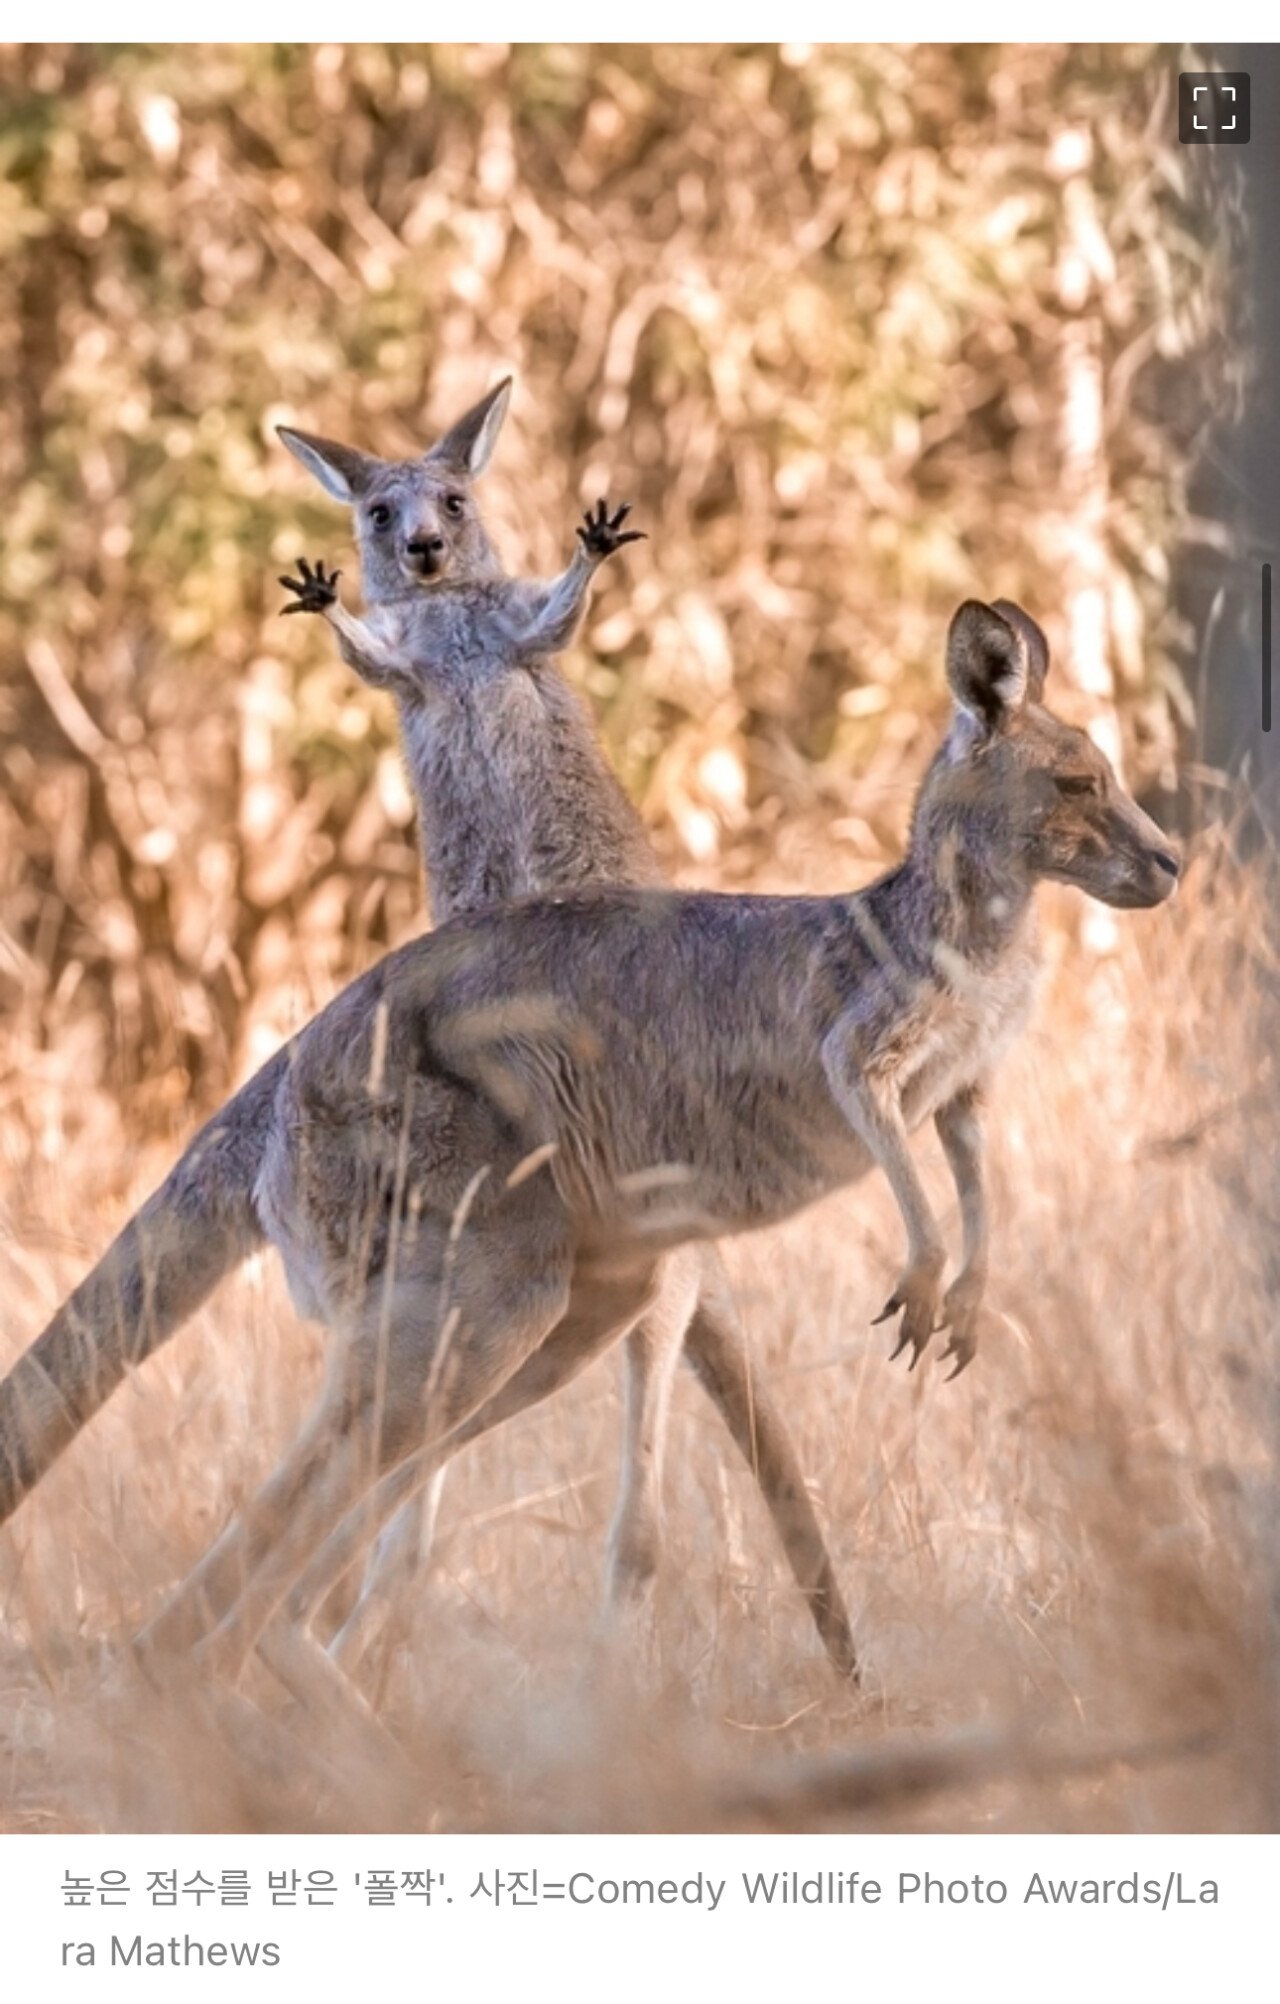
x=514, y=797
x=475, y=1158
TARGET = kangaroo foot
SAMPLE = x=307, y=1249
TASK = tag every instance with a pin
x=917, y=1296
x=603, y=533
x=316, y=590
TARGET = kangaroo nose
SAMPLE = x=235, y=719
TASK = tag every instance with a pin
x=426, y=546
x=1165, y=859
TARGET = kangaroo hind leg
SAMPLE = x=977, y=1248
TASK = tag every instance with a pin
x=603, y=1306
x=398, y=1557
x=652, y=1354
x=417, y=1361
x=717, y=1351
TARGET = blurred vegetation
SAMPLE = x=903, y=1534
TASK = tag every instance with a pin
x=859, y=331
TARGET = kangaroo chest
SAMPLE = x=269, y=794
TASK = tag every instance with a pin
x=514, y=796
x=959, y=1031
x=476, y=767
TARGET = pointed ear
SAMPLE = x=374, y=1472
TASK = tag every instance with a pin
x=1033, y=640
x=986, y=665
x=468, y=445
x=340, y=469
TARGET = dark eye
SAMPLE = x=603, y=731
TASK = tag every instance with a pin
x=454, y=505
x=1082, y=784
x=380, y=516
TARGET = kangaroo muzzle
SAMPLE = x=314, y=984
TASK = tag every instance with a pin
x=1151, y=863
x=426, y=556
x=1167, y=867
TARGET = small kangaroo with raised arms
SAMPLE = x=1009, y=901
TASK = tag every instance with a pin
x=476, y=1157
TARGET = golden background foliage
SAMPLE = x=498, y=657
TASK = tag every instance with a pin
x=860, y=332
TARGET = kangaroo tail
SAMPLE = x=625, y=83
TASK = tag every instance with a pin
x=715, y=1349
x=197, y=1227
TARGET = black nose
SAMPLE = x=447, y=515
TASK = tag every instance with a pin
x=1165, y=859
x=425, y=546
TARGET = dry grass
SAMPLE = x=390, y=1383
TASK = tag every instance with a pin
x=1071, y=1548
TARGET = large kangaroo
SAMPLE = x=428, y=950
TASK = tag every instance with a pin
x=514, y=797
x=474, y=1160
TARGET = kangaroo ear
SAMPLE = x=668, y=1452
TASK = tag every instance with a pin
x=987, y=664
x=1034, y=641
x=340, y=469
x=468, y=445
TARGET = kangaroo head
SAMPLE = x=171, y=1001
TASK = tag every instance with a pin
x=1020, y=793
x=416, y=520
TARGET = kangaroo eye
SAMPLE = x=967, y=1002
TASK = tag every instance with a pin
x=380, y=516
x=1082, y=784
x=454, y=505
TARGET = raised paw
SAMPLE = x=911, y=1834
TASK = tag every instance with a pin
x=917, y=1296
x=316, y=590
x=603, y=533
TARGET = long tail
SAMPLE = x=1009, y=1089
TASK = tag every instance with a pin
x=199, y=1224
x=715, y=1349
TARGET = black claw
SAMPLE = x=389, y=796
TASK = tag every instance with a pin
x=891, y=1307
x=964, y=1354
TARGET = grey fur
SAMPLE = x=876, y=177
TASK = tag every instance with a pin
x=630, y=1071
x=515, y=797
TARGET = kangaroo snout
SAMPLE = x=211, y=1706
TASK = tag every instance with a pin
x=1166, y=864
x=1152, y=863
x=427, y=555
x=1159, y=860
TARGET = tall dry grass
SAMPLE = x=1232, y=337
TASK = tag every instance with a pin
x=1072, y=1549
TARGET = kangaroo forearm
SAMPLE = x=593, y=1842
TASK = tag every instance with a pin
x=959, y=1128
x=872, y=1110
x=553, y=611
x=886, y=1136
x=373, y=660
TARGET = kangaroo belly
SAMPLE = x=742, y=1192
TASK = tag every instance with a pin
x=718, y=1164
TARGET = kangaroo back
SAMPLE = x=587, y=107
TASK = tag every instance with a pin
x=197, y=1227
